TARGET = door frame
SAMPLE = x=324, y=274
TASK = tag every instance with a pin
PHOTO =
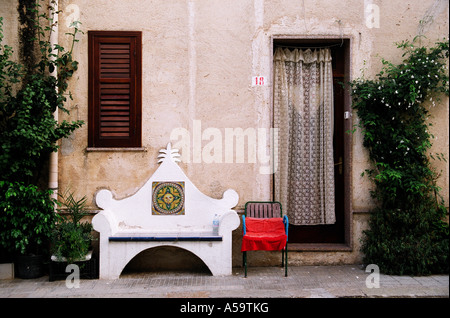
x=347, y=245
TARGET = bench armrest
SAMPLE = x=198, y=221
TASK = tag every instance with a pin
x=228, y=221
x=105, y=223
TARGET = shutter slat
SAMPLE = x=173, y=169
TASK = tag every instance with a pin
x=110, y=55
x=115, y=124
x=114, y=85
x=114, y=102
x=121, y=46
x=115, y=91
x=115, y=97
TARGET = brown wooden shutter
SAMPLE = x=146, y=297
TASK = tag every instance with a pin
x=114, y=89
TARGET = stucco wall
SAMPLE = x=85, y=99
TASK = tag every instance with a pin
x=198, y=61
x=8, y=10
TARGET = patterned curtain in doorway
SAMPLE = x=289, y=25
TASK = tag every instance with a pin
x=303, y=115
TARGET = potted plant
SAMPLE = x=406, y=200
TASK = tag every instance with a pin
x=27, y=220
x=72, y=238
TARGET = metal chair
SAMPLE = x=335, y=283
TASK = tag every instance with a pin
x=265, y=228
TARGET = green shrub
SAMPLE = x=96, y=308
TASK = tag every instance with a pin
x=406, y=234
x=27, y=218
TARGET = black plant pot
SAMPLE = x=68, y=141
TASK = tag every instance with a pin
x=29, y=266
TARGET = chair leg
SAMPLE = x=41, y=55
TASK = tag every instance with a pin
x=286, y=261
x=244, y=258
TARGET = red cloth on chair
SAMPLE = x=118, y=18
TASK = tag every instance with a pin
x=264, y=234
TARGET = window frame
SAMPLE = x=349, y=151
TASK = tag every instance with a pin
x=134, y=139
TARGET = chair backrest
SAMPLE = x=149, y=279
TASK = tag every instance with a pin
x=265, y=209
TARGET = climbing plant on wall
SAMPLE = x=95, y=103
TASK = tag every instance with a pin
x=407, y=234
x=29, y=95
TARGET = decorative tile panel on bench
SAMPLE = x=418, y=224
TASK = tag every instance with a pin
x=167, y=211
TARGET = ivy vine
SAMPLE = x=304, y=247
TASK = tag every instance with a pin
x=29, y=95
x=407, y=234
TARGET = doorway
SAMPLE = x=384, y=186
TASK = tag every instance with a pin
x=339, y=231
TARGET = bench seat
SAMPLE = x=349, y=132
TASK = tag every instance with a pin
x=161, y=237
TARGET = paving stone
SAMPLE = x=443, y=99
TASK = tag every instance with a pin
x=262, y=282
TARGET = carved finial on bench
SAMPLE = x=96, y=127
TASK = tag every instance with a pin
x=169, y=153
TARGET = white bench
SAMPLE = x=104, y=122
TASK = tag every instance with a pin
x=144, y=220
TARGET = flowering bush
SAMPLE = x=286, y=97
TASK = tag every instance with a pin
x=407, y=234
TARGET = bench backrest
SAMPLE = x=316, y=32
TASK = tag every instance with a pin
x=140, y=213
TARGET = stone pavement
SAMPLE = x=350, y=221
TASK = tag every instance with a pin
x=262, y=282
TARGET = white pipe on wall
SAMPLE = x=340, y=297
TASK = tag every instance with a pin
x=53, y=168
